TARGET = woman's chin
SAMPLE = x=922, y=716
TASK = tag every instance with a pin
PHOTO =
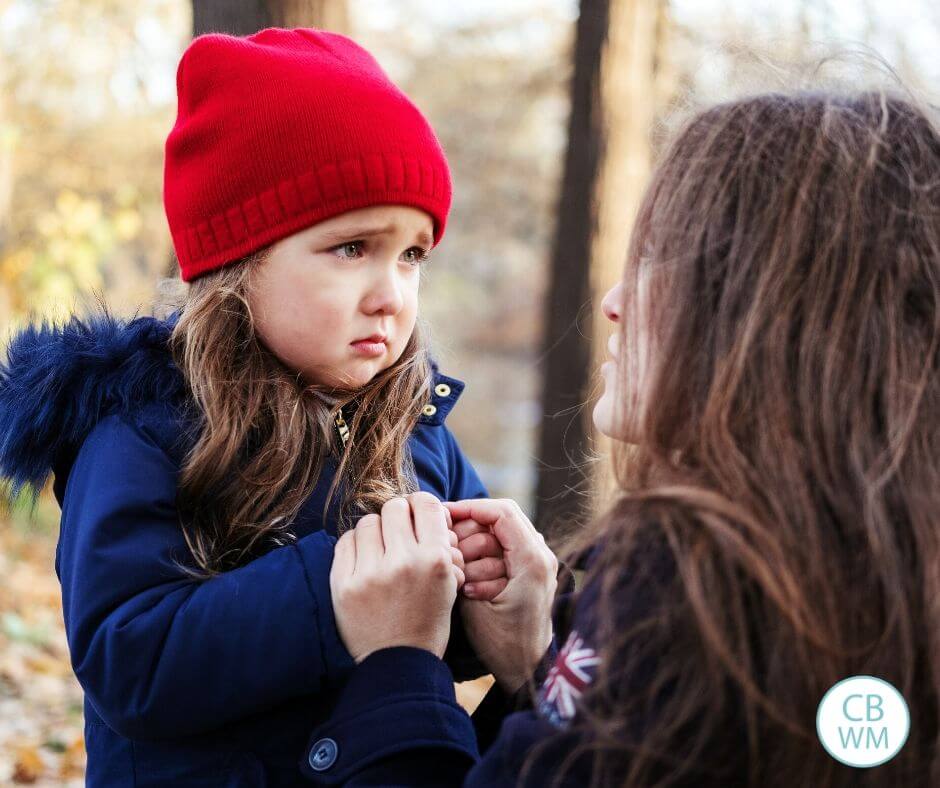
x=606, y=422
x=602, y=417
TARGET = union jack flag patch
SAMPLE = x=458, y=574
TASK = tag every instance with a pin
x=567, y=680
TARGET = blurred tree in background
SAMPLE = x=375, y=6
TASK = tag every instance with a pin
x=620, y=56
x=244, y=18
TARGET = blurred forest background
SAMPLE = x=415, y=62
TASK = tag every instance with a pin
x=551, y=112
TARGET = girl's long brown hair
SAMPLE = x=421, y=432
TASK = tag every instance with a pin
x=262, y=436
x=781, y=512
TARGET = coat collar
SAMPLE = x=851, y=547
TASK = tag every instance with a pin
x=445, y=391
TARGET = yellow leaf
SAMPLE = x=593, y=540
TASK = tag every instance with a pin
x=42, y=663
x=67, y=201
x=86, y=214
x=127, y=224
x=73, y=760
x=127, y=195
x=29, y=765
x=15, y=264
x=9, y=136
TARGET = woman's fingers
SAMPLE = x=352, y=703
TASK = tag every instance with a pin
x=404, y=523
x=485, y=511
x=484, y=569
x=401, y=591
x=485, y=590
x=514, y=532
x=344, y=555
x=398, y=531
x=460, y=510
x=430, y=519
x=460, y=576
x=499, y=515
x=369, y=545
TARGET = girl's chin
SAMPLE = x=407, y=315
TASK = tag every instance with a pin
x=362, y=371
x=351, y=378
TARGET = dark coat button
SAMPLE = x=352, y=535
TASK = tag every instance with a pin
x=323, y=755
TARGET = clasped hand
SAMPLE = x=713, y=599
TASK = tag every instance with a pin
x=397, y=575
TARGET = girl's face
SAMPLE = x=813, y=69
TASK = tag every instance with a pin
x=619, y=412
x=337, y=302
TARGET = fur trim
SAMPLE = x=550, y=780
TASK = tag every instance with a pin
x=58, y=382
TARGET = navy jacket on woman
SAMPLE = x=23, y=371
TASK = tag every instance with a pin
x=397, y=721
x=208, y=683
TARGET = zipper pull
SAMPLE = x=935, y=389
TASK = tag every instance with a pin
x=342, y=428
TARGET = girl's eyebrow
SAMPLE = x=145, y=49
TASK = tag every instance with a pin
x=423, y=238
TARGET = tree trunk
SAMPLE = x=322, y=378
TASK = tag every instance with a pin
x=249, y=16
x=636, y=83
x=223, y=16
x=327, y=14
x=619, y=47
x=566, y=343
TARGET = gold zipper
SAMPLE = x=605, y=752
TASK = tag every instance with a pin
x=341, y=428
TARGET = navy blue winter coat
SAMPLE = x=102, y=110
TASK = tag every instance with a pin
x=187, y=683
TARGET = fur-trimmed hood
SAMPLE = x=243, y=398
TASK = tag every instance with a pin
x=59, y=381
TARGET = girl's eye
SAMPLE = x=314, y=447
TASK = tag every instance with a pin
x=416, y=255
x=349, y=251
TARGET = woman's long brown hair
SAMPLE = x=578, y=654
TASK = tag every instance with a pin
x=262, y=436
x=781, y=511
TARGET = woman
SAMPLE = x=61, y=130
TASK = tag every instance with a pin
x=774, y=372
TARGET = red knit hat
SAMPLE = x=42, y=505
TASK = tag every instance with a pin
x=285, y=128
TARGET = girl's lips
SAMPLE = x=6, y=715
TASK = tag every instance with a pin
x=369, y=349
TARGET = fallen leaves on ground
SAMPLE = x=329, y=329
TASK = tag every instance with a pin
x=41, y=741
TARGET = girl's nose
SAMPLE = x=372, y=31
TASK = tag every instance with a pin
x=385, y=296
x=613, y=303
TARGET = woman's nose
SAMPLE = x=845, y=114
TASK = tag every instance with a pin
x=613, y=303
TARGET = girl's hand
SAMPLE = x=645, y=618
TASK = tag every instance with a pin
x=395, y=577
x=484, y=568
x=511, y=632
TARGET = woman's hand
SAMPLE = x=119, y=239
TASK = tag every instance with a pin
x=512, y=631
x=395, y=577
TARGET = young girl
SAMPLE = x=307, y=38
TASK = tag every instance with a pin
x=776, y=366
x=205, y=464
